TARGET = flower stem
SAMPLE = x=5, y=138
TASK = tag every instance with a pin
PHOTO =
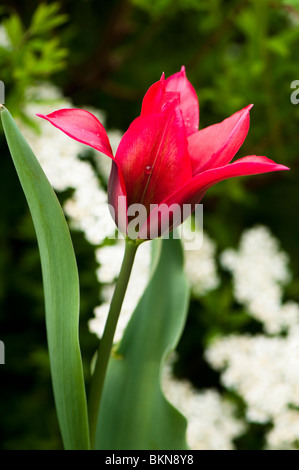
x=98, y=377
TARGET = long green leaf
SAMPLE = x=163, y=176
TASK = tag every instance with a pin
x=61, y=289
x=134, y=413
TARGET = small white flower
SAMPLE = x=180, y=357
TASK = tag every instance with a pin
x=262, y=370
x=260, y=270
x=200, y=265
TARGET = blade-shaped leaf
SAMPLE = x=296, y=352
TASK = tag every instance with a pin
x=61, y=289
x=134, y=413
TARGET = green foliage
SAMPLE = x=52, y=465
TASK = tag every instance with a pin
x=61, y=289
x=32, y=54
x=46, y=17
x=134, y=413
x=14, y=29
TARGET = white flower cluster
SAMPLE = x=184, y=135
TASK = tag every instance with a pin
x=212, y=424
x=110, y=259
x=259, y=272
x=264, y=372
x=200, y=264
x=263, y=369
x=285, y=433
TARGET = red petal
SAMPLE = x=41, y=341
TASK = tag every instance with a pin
x=117, y=198
x=152, y=99
x=82, y=126
x=188, y=99
x=216, y=145
x=153, y=156
x=156, y=98
x=193, y=191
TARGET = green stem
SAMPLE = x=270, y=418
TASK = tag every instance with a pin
x=98, y=377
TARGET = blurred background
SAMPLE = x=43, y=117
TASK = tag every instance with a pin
x=104, y=55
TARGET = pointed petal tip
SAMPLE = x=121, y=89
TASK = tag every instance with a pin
x=271, y=163
x=280, y=167
x=265, y=163
x=178, y=82
x=243, y=110
x=41, y=116
x=48, y=116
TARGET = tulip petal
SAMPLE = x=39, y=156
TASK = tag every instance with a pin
x=157, y=97
x=193, y=191
x=153, y=156
x=153, y=97
x=216, y=145
x=188, y=99
x=117, y=198
x=86, y=128
x=82, y=126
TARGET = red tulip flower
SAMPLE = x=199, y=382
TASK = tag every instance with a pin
x=163, y=160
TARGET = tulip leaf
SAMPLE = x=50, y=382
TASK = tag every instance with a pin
x=61, y=289
x=134, y=413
